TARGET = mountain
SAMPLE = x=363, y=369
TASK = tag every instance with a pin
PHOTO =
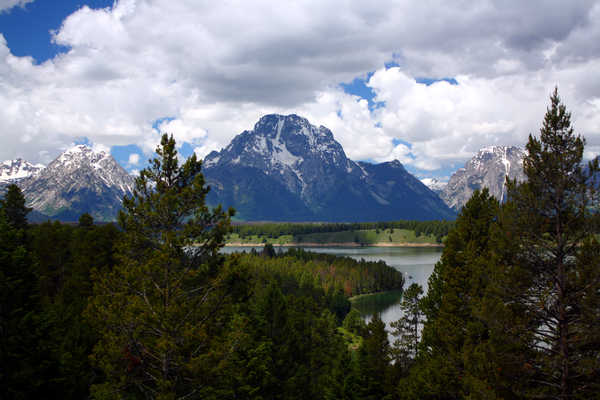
x=434, y=184
x=289, y=170
x=78, y=181
x=488, y=168
x=12, y=171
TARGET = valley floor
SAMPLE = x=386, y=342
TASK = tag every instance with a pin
x=350, y=238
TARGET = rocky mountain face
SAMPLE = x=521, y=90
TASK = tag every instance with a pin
x=80, y=180
x=488, y=168
x=289, y=170
x=434, y=184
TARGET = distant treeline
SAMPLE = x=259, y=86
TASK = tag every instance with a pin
x=439, y=229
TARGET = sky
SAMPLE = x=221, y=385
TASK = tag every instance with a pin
x=428, y=83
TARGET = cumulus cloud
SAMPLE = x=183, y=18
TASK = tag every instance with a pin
x=6, y=5
x=213, y=68
x=134, y=159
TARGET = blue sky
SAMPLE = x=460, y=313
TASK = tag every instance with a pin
x=28, y=29
x=118, y=74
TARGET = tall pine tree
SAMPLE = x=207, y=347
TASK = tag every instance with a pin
x=14, y=208
x=155, y=310
x=407, y=328
x=550, y=283
x=451, y=363
x=374, y=359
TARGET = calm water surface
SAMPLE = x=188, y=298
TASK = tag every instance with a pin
x=416, y=263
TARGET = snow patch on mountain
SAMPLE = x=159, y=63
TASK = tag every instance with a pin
x=488, y=168
x=434, y=184
x=15, y=170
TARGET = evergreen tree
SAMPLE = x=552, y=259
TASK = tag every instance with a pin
x=407, y=328
x=354, y=322
x=86, y=220
x=551, y=282
x=374, y=359
x=21, y=375
x=451, y=361
x=20, y=370
x=156, y=310
x=14, y=208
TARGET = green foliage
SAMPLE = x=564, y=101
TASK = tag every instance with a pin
x=549, y=275
x=354, y=322
x=13, y=205
x=45, y=284
x=65, y=258
x=333, y=232
x=406, y=329
x=285, y=339
x=154, y=308
x=268, y=250
x=340, y=273
x=374, y=359
x=18, y=307
x=512, y=307
x=86, y=220
x=454, y=331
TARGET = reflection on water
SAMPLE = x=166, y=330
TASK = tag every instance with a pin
x=416, y=263
x=371, y=304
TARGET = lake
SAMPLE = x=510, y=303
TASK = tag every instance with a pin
x=416, y=263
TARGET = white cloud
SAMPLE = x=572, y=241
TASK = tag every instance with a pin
x=216, y=67
x=447, y=124
x=6, y=5
x=134, y=159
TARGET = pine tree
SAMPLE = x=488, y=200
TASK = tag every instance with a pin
x=447, y=365
x=551, y=282
x=374, y=361
x=153, y=310
x=14, y=208
x=407, y=328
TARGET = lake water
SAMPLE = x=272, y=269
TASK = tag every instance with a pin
x=416, y=263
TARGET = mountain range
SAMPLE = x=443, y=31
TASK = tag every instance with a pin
x=79, y=181
x=284, y=169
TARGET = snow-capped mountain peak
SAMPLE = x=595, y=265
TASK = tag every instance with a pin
x=80, y=154
x=285, y=168
x=18, y=169
x=502, y=154
x=284, y=145
x=79, y=180
x=434, y=184
x=488, y=168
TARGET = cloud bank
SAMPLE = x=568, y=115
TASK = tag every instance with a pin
x=213, y=68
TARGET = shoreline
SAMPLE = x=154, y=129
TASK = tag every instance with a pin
x=360, y=296
x=342, y=244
